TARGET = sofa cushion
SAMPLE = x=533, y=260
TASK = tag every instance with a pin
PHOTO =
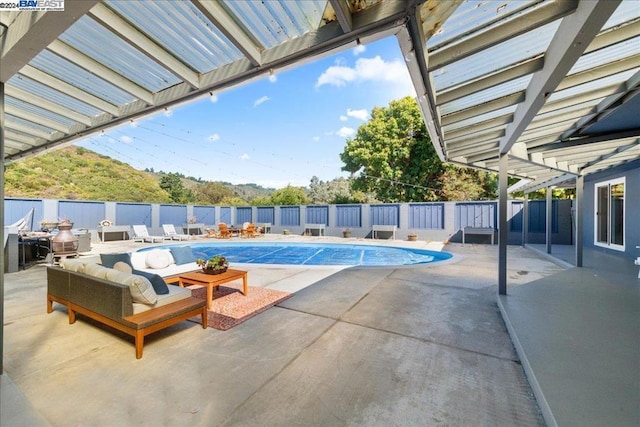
x=182, y=254
x=157, y=282
x=97, y=270
x=158, y=258
x=71, y=264
x=176, y=293
x=108, y=260
x=123, y=266
x=140, y=287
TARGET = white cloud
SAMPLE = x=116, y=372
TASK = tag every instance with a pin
x=358, y=114
x=345, y=132
x=213, y=98
x=214, y=137
x=126, y=139
x=245, y=156
x=261, y=100
x=343, y=118
x=375, y=70
x=316, y=138
x=273, y=78
x=167, y=112
x=359, y=49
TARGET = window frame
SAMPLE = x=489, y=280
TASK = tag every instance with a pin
x=596, y=222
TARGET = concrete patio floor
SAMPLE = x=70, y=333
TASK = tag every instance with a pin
x=417, y=345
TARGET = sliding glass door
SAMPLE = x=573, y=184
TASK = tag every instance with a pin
x=609, y=210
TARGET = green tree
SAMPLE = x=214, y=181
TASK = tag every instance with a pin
x=178, y=193
x=289, y=196
x=212, y=193
x=393, y=155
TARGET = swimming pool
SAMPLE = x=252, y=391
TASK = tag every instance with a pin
x=317, y=254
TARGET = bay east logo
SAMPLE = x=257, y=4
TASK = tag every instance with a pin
x=41, y=5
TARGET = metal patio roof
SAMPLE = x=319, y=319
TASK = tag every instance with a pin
x=552, y=83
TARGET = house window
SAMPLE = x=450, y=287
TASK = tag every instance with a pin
x=609, y=208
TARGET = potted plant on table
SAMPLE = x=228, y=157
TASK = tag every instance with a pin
x=217, y=264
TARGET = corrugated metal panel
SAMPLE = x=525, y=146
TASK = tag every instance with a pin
x=82, y=214
x=290, y=215
x=68, y=72
x=133, y=214
x=11, y=119
x=173, y=214
x=538, y=216
x=266, y=215
x=184, y=31
x=317, y=215
x=385, y=215
x=243, y=215
x=273, y=23
x=349, y=216
x=97, y=42
x=205, y=214
x=16, y=209
x=41, y=112
x=225, y=215
x=53, y=95
x=486, y=95
x=475, y=215
x=426, y=216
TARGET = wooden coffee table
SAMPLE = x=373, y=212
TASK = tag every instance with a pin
x=213, y=280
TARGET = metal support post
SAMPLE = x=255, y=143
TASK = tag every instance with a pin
x=502, y=230
x=579, y=241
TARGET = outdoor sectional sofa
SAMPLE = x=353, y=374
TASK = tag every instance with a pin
x=122, y=300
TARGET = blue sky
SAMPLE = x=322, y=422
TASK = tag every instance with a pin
x=277, y=131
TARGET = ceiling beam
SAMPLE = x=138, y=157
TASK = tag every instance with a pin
x=216, y=13
x=515, y=25
x=31, y=32
x=144, y=44
x=23, y=128
x=535, y=186
x=574, y=34
x=38, y=101
x=343, y=14
x=30, y=117
x=101, y=71
x=73, y=91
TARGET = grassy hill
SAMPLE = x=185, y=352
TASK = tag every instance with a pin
x=75, y=173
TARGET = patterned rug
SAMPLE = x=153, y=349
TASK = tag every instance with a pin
x=230, y=307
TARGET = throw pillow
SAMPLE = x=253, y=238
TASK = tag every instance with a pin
x=138, y=260
x=140, y=288
x=182, y=254
x=108, y=260
x=157, y=282
x=97, y=270
x=123, y=266
x=158, y=259
x=72, y=264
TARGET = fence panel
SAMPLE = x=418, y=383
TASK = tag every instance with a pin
x=515, y=215
x=481, y=214
x=82, y=214
x=266, y=214
x=426, y=216
x=349, y=216
x=205, y=214
x=538, y=216
x=16, y=209
x=133, y=214
x=243, y=214
x=173, y=214
x=317, y=215
x=385, y=215
x=290, y=215
x=225, y=215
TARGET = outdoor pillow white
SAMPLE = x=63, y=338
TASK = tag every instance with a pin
x=138, y=260
x=158, y=258
x=70, y=264
x=97, y=270
x=140, y=287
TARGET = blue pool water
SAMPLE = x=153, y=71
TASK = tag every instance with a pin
x=316, y=254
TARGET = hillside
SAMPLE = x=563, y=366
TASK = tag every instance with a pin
x=75, y=173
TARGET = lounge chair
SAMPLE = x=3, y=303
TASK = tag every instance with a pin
x=248, y=230
x=141, y=234
x=171, y=234
x=210, y=232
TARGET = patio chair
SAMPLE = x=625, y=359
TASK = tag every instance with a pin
x=248, y=230
x=223, y=231
x=210, y=232
x=171, y=234
x=141, y=234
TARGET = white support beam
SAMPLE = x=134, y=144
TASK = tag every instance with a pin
x=31, y=32
x=574, y=34
x=22, y=128
x=343, y=14
x=153, y=51
x=535, y=186
x=38, y=101
x=74, y=92
x=23, y=114
x=99, y=70
x=214, y=12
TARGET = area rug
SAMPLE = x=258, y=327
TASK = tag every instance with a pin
x=230, y=307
